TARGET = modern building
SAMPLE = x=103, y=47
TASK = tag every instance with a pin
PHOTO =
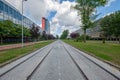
x=92, y=32
x=8, y=12
x=45, y=25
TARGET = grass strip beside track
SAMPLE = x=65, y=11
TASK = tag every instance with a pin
x=108, y=52
x=8, y=55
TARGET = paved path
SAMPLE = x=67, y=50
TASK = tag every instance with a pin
x=58, y=61
x=11, y=46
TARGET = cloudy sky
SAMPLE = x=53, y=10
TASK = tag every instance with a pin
x=59, y=12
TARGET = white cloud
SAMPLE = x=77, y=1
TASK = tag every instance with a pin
x=16, y=3
x=109, y=3
x=107, y=14
x=35, y=9
x=65, y=17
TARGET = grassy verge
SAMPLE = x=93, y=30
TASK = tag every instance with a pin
x=16, y=53
x=108, y=51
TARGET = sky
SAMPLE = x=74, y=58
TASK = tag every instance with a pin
x=59, y=13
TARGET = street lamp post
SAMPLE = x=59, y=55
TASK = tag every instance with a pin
x=22, y=25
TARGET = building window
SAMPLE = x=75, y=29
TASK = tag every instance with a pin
x=1, y=6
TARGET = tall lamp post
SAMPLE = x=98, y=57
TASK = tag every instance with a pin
x=22, y=25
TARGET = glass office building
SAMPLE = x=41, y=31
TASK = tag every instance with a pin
x=47, y=26
x=8, y=12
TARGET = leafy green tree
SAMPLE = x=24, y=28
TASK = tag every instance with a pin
x=105, y=23
x=18, y=30
x=27, y=32
x=44, y=35
x=57, y=36
x=110, y=25
x=85, y=11
x=6, y=29
x=2, y=32
x=64, y=34
x=116, y=24
x=9, y=29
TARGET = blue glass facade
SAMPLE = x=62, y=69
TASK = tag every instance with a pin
x=8, y=12
x=47, y=26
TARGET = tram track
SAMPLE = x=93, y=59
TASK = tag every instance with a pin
x=32, y=73
x=100, y=66
x=79, y=68
x=91, y=61
x=23, y=61
x=73, y=61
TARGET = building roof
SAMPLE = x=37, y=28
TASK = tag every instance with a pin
x=10, y=5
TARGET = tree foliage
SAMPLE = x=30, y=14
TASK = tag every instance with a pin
x=85, y=10
x=74, y=35
x=10, y=29
x=44, y=35
x=64, y=34
x=34, y=30
x=57, y=37
x=110, y=25
x=50, y=36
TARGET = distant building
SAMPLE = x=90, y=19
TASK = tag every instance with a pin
x=45, y=25
x=92, y=32
x=80, y=31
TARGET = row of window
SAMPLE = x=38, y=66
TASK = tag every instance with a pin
x=9, y=11
x=6, y=10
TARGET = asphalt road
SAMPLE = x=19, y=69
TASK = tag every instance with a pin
x=58, y=61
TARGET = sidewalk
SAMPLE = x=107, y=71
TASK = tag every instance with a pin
x=11, y=46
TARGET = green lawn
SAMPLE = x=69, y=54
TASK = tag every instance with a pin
x=11, y=54
x=108, y=51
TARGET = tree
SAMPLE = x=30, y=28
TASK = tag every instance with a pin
x=57, y=36
x=74, y=35
x=106, y=28
x=50, y=36
x=110, y=25
x=85, y=10
x=2, y=32
x=18, y=30
x=26, y=32
x=116, y=24
x=35, y=32
x=64, y=34
x=44, y=35
x=10, y=29
x=6, y=29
